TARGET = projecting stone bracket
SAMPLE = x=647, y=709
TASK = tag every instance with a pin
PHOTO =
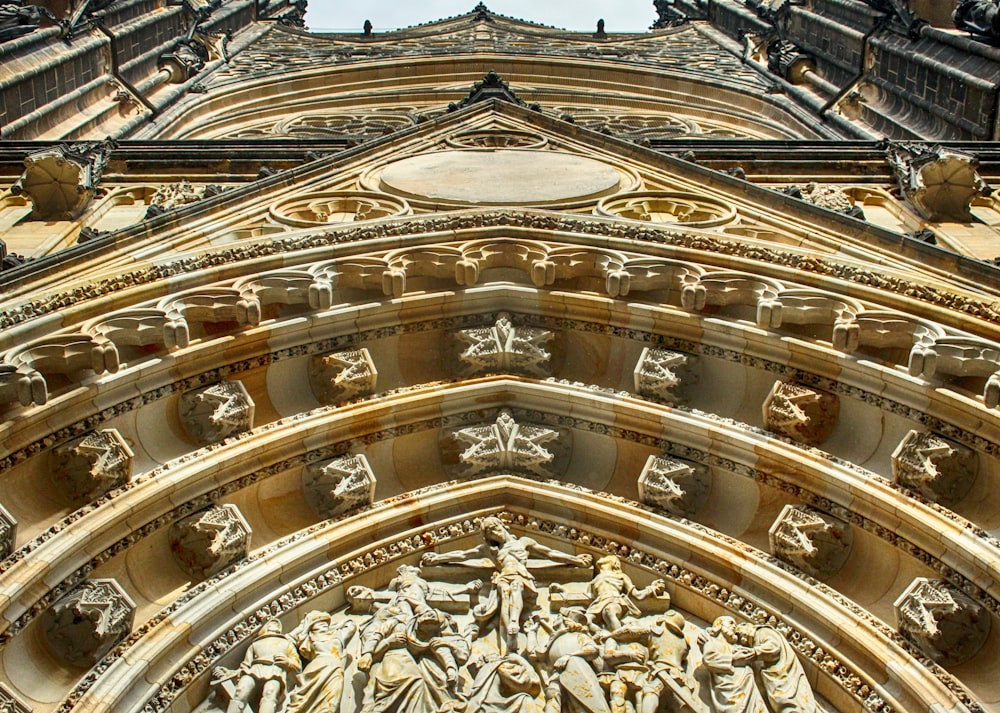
x=506, y=445
x=939, y=183
x=675, y=486
x=660, y=374
x=940, y=470
x=338, y=486
x=943, y=622
x=810, y=540
x=88, y=467
x=87, y=623
x=342, y=376
x=215, y=412
x=505, y=348
x=803, y=414
x=62, y=180
x=211, y=540
x=8, y=535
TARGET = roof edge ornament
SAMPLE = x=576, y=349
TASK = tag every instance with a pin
x=482, y=12
x=492, y=86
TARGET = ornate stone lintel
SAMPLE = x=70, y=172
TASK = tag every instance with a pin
x=944, y=623
x=672, y=485
x=506, y=445
x=940, y=470
x=803, y=414
x=85, y=624
x=660, y=371
x=340, y=485
x=89, y=467
x=8, y=535
x=810, y=540
x=9, y=703
x=209, y=541
x=341, y=376
x=213, y=413
x=61, y=180
x=505, y=347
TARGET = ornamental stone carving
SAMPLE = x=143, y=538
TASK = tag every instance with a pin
x=8, y=535
x=505, y=348
x=209, y=541
x=88, y=467
x=215, y=412
x=690, y=209
x=342, y=376
x=85, y=624
x=939, y=183
x=672, y=485
x=659, y=373
x=810, y=540
x=9, y=703
x=506, y=445
x=940, y=470
x=174, y=195
x=948, y=626
x=803, y=414
x=340, y=485
x=62, y=180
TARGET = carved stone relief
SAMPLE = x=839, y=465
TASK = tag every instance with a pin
x=506, y=445
x=215, y=412
x=690, y=209
x=660, y=374
x=9, y=703
x=88, y=467
x=672, y=485
x=505, y=348
x=8, y=535
x=209, y=541
x=62, y=180
x=803, y=414
x=342, y=376
x=939, y=183
x=941, y=621
x=510, y=625
x=340, y=485
x=812, y=541
x=940, y=470
x=85, y=624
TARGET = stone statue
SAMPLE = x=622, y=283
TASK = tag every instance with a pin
x=612, y=590
x=572, y=654
x=504, y=684
x=781, y=675
x=514, y=593
x=733, y=687
x=668, y=653
x=320, y=684
x=261, y=677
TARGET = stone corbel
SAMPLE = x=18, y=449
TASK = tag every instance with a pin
x=89, y=467
x=660, y=372
x=10, y=703
x=891, y=330
x=338, y=486
x=87, y=623
x=801, y=413
x=212, y=305
x=940, y=470
x=505, y=348
x=8, y=536
x=22, y=384
x=806, y=307
x=62, y=180
x=810, y=540
x=143, y=328
x=939, y=183
x=23, y=374
x=506, y=446
x=214, y=413
x=720, y=289
x=289, y=287
x=673, y=485
x=959, y=357
x=209, y=541
x=341, y=376
x=943, y=622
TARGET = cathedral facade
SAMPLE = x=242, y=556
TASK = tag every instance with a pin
x=486, y=366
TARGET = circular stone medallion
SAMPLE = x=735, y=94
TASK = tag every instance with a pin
x=504, y=177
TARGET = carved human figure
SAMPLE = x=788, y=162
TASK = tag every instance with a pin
x=263, y=673
x=418, y=661
x=625, y=658
x=781, y=675
x=504, y=684
x=572, y=652
x=320, y=684
x=668, y=652
x=733, y=687
x=514, y=592
x=612, y=591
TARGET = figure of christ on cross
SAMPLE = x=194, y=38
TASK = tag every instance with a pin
x=514, y=592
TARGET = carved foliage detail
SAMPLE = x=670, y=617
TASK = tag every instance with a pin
x=940, y=470
x=803, y=414
x=672, y=485
x=85, y=624
x=812, y=541
x=506, y=445
x=342, y=376
x=505, y=347
x=89, y=467
x=8, y=533
x=659, y=373
x=941, y=621
x=210, y=540
x=340, y=485
x=215, y=412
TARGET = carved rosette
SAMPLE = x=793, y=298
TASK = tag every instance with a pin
x=505, y=348
x=213, y=413
x=10, y=703
x=211, y=540
x=62, y=180
x=675, y=486
x=944, y=623
x=497, y=139
x=89, y=467
x=939, y=183
x=659, y=373
x=8, y=535
x=85, y=624
x=940, y=470
x=810, y=540
x=506, y=445
x=803, y=414
x=690, y=209
x=340, y=485
x=342, y=376
x=318, y=209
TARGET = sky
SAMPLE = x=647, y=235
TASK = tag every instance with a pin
x=619, y=15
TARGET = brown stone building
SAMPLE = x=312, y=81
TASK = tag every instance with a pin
x=281, y=311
